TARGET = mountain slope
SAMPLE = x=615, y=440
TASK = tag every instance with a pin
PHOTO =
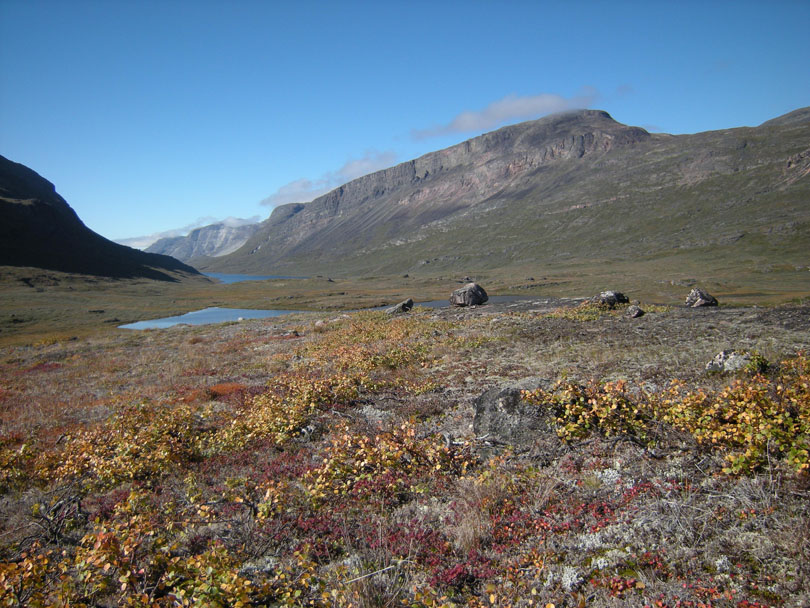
x=39, y=229
x=213, y=240
x=572, y=188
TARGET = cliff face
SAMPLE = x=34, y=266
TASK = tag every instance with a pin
x=39, y=229
x=396, y=203
x=213, y=240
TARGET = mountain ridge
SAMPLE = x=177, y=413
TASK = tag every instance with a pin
x=580, y=179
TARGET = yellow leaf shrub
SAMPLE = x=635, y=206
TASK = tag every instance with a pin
x=754, y=418
x=140, y=442
x=605, y=408
x=284, y=409
x=351, y=459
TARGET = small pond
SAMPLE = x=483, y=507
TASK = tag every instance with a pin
x=221, y=315
x=206, y=316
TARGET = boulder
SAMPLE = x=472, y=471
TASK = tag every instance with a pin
x=471, y=294
x=729, y=361
x=400, y=308
x=634, y=312
x=502, y=416
x=697, y=298
x=611, y=298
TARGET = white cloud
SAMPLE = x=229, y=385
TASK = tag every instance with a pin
x=234, y=222
x=304, y=190
x=142, y=242
x=299, y=191
x=371, y=162
x=508, y=109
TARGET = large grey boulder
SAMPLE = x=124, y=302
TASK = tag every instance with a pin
x=400, y=308
x=698, y=297
x=472, y=294
x=611, y=298
x=503, y=416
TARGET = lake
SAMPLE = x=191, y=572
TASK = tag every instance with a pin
x=206, y=316
x=238, y=278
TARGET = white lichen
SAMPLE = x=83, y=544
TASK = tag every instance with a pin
x=570, y=578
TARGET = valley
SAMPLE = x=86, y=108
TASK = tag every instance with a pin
x=548, y=450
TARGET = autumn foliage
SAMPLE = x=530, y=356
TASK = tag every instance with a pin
x=287, y=495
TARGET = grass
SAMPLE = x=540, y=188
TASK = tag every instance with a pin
x=44, y=306
x=329, y=459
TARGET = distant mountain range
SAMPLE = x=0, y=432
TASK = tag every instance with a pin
x=571, y=188
x=213, y=240
x=39, y=229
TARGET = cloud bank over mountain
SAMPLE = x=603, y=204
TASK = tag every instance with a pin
x=303, y=190
x=142, y=242
x=508, y=109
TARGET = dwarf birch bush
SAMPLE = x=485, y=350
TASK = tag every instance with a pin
x=754, y=419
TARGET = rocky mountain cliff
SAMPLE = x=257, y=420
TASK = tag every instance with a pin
x=213, y=240
x=39, y=229
x=572, y=187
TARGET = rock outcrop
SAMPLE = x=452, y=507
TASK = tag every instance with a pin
x=472, y=294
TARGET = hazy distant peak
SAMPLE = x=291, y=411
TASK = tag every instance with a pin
x=213, y=240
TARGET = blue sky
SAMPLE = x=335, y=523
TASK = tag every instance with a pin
x=154, y=116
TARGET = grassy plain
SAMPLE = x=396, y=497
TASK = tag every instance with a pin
x=329, y=458
x=40, y=305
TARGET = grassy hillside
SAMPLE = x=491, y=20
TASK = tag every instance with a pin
x=724, y=206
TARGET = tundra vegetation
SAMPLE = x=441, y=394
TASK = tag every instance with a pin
x=329, y=460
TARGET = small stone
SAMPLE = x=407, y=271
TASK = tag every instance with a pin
x=729, y=361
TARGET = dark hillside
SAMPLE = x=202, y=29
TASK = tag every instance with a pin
x=39, y=229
